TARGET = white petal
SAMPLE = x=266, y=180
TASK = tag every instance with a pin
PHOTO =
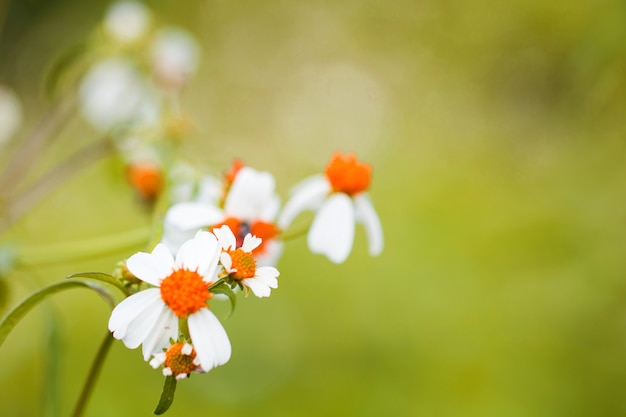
x=129, y=308
x=189, y=217
x=158, y=360
x=226, y=237
x=165, y=328
x=141, y=327
x=259, y=288
x=250, y=243
x=332, y=231
x=367, y=215
x=308, y=195
x=268, y=275
x=270, y=210
x=199, y=254
x=250, y=194
x=227, y=262
x=264, y=280
x=151, y=267
x=209, y=339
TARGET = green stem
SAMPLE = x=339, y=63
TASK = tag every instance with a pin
x=296, y=233
x=81, y=249
x=92, y=377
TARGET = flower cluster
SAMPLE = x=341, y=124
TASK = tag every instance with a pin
x=228, y=236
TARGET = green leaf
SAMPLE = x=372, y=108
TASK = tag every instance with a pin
x=10, y=320
x=225, y=289
x=167, y=396
x=101, y=276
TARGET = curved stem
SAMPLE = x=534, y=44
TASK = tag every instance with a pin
x=81, y=249
x=92, y=377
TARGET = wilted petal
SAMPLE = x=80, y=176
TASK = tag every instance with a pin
x=332, y=231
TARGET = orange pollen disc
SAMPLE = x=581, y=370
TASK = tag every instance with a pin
x=178, y=362
x=347, y=175
x=146, y=178
x=185, y=292
x=244, y=263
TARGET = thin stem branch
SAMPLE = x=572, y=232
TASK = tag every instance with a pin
x=82, y=249
x=83, y=158
x=47, y=183
x=23, y=158
x=92, y=377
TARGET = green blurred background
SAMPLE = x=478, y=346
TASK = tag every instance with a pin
x=497, y=138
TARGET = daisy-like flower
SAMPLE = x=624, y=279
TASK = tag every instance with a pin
x=241, y=266
x=341, y=200
x=150, y=317
x=180, y=359
x=250, y=206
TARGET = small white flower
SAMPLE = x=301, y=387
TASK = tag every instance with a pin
x=150, y=317
x=240, y=264
x=175, y=55
x=340, y=199
x=114, y=92
x=127, y=21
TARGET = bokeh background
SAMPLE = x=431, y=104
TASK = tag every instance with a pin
x=496, y=134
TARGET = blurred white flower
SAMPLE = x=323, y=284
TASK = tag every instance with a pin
x=127, y=21
x=175, y=54
x=340, y=199
x=10, y=114
x=114, y=92
x=250, y=206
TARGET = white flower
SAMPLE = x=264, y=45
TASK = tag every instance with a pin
x=10, y=114
x=240, y=264
x=114, y=92
x=251, y=205
x=127, y=21
x=340, y=199
x=175, y=55
x=150, y=317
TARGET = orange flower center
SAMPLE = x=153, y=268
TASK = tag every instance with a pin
x=177, y=361
x=185, y=292
x=146, y=179
x=347, y=175
x=264, y=230
x=244, y=263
